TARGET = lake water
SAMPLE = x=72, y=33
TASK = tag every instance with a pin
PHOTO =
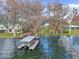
x=48, y=48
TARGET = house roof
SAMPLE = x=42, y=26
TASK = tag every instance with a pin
x=17, y=26
x=2, y=27
x=73, y=26
x=75, y=19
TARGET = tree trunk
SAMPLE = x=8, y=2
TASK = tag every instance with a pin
x=21, y=32
x=57, y=32
x=70, y=30
x=36, y=33
x=14, y=33
x=61, y=31
x=21, y=29
x=53, y=32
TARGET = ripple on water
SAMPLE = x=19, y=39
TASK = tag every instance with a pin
x=46, y=49
x=7, y=48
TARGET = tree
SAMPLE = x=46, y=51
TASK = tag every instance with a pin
x=36, y=17
x=70, y=17
x=29, y=12
x=74, y=14
x=12, y=12
x=56, y=21
x=32, y=13
x=13, y=9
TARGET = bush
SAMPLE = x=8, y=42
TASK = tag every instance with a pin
x=66, y=31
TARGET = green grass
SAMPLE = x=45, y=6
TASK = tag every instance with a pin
x=73, y=32
x=48, y=31
x=45, y=31
x=8, y=35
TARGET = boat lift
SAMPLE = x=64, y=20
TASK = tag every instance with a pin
x=29, y=42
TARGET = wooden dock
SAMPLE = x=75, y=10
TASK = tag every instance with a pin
x=21, y=46
x=32, y=47
x=27, y=33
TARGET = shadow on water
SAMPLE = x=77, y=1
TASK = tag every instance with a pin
x=48, y=48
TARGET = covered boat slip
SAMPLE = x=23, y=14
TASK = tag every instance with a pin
x=29, y=42
x=28, y=39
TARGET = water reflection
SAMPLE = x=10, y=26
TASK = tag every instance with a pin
x=45, y=44
x=48, y=48
x=71, y=44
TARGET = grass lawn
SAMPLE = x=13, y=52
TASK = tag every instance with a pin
x=44, y=31
x=73, y=32
x=8, y=35
x=48, y=31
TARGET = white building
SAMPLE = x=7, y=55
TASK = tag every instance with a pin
x=17, y=28
x=2, y=28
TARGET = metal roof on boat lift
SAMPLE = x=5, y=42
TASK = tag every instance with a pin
x=27, y=39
